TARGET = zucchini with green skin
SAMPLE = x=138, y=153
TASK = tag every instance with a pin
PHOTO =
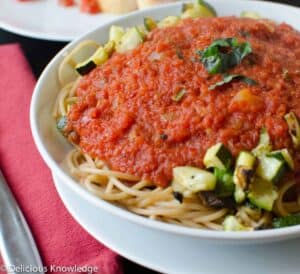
x=109, y=47
x=270, y=168
x=99, y=57
x=264, y=144
x=207, y=5
x=286, y=221
x=85, y=67
x=218, y=156
x=149, y=23
x=294, y=128
x=116, y=33
x=130, y=40
x=199, y=9
x=232, y=223
x=283, y=155
x=243, y=174
x=186, y=6
x=190, y=180
x=250, y=14
x=169, y=21
x=225, y=185
x=262, y=194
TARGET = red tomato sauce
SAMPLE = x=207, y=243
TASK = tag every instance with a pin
x=66, y=3
x=126, y=116
x=89, y=6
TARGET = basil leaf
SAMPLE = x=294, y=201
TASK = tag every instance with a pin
x=227, y=78
x=224, y=54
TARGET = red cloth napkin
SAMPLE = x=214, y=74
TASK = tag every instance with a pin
x=61, y=241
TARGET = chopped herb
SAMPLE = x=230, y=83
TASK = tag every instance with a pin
x=224, y=54
x=61, y=123
x=244, y=33
x=164, y=137
x=286, y=221
x=286, y=74
x=179, y=54
x=227, y=78
x=178, y=97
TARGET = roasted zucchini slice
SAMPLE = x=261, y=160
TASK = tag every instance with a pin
x=116, y=33
x=264, y=144
x=169, y=21
x=232, y=223
x=199, y=9
x=130, y=40
x=262, y=194
x=243, y=174
x=218, y=156
x=251, y=14
x=225, y=185
x=283, y=155
x=149, y=23
x=190, y=180
x=270, y=168
x=99, y=57
x=66, y=71
x=294, y=128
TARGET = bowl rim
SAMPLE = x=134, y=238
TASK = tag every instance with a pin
x=277, y=234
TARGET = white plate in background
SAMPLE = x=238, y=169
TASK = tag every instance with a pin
x=45, y=19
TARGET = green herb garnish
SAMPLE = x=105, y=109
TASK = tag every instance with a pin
x=61, y=123
x=286, y=74
x=179, y=54
x=227, y=78
x=164, y=137
x=286, y=221
x=224, y=54
x=178, y=97
x=244, y=33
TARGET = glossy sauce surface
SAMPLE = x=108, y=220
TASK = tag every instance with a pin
x=126, y=114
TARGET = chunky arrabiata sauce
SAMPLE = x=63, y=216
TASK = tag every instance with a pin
x=127, y=116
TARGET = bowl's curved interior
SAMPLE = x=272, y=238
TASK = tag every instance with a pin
x=53, y=147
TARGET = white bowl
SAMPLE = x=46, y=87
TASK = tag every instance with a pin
x=168, y=253
x=54, y=147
